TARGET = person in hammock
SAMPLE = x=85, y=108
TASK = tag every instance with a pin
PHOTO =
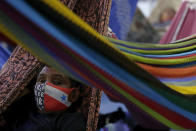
x=56, y=97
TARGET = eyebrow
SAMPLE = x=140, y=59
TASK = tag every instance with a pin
x=57, y=75
x=41, y=75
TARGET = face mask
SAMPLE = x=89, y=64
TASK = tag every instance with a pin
x=51, y=98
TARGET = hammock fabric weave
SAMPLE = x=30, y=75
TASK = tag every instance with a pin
x=159, y=79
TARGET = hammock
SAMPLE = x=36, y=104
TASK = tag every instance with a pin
x=59, y=38
x=183, y=24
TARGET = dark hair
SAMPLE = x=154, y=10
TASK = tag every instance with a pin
x=75, y=83
x=78, y=102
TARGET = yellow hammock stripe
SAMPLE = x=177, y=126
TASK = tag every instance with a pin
x=187, y=90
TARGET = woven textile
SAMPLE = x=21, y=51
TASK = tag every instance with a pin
x=125, y=71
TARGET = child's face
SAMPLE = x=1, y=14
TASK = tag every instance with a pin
x=54, y=91
x=52, y=76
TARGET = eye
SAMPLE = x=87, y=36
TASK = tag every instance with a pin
x=41, y=80
x=57, y=82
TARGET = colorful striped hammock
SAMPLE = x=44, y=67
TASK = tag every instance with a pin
x=159, y=79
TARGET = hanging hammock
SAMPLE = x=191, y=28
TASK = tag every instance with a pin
x=183, y=24
x=125, y=71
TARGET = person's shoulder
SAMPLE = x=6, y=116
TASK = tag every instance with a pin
x=72, y=116
x=71, y=122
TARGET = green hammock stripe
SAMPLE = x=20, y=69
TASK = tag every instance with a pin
x=156, y=61
x=188, y=42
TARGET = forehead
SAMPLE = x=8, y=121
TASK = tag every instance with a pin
x=48, y=70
